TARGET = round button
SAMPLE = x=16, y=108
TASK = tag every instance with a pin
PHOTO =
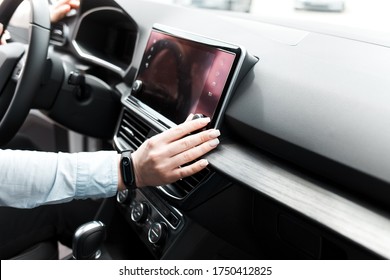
x=157, y=233
x=139, y=212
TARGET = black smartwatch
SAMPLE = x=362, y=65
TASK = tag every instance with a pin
x=127, y=170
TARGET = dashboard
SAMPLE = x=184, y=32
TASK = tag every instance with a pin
x=301, y=172
x=180, y=74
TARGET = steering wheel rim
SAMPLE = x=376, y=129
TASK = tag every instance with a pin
x=14, y=108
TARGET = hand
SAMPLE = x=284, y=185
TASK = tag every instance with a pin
x=6, y=36
x=3, y=41
x=59, y=9
x=161, y=159
x=57, y=12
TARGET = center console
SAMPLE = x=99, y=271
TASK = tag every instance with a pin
x=180, y=73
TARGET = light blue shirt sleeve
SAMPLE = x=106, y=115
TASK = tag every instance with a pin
x=29, y=179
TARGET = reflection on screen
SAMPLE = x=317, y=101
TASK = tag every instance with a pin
x=180, y=76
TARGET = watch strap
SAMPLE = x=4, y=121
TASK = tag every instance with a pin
x=127, y=169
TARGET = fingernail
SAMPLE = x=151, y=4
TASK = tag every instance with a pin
x=204, y=120
x=214, y=133
x=203, y=162
x=214, y=142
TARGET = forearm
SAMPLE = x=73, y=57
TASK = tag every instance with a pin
x=29, y=179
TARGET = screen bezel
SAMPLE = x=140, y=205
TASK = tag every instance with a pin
x=227, y=89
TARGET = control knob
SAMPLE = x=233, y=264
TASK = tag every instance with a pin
x=139, y=212
x=157, y=233
x=124, y=197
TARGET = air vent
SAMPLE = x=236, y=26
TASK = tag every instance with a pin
x=180, y=189
x=132, y=130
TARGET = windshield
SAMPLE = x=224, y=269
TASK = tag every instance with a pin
x=370, y=15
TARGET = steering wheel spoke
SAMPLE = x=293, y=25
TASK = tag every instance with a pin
x=22, y=66
x=10, y=58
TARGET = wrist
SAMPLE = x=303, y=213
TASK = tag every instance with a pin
x=127, y=170
x=137, y=174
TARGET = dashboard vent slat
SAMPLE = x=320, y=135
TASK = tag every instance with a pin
x=183, y=187
x=132, y=130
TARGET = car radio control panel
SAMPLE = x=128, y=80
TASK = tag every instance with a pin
x=156, y=222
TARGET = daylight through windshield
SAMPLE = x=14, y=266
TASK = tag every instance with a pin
x=361, y=14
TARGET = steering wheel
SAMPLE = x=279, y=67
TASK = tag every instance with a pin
x=21, y=66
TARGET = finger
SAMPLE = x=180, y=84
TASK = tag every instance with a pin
x=191, y=141
x=59, y=13
x=193, y=153
x=59, y=3
x=75, y=4
x=189, y=170
x=6, y=36
x=190, y=116
x=182, y=130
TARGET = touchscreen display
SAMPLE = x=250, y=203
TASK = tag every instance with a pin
x=181, y=76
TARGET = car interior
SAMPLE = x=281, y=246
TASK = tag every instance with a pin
x=302, y=170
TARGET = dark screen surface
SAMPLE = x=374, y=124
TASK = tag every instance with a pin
x=181, y=76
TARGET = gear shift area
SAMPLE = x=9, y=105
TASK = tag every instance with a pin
x=87, y=241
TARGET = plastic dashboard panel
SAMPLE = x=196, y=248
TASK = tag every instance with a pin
x=332, y=122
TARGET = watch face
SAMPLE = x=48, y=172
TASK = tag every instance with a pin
x=127, y=169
